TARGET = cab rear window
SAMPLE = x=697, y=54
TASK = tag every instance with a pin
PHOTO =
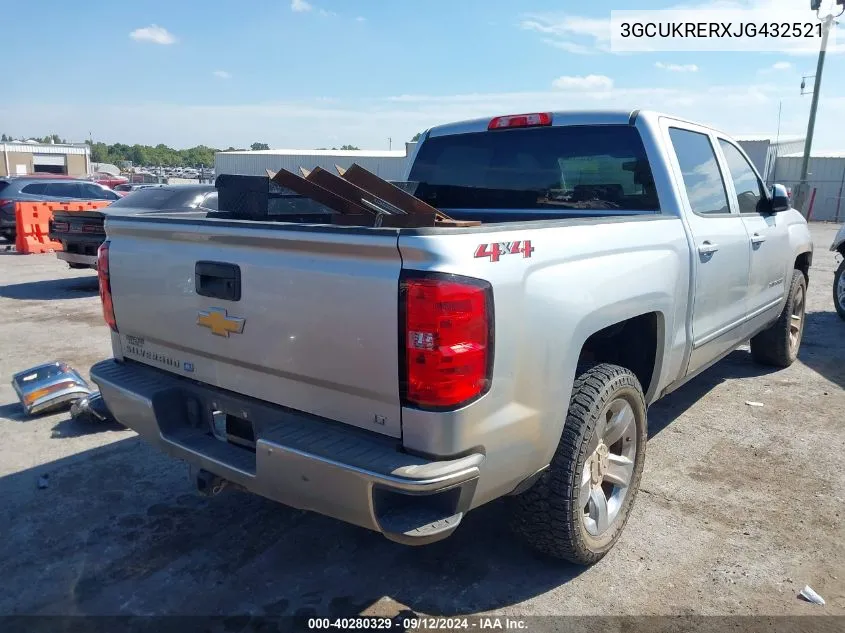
x=569, y=167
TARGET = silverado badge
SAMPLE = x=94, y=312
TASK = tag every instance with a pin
x=219, y=322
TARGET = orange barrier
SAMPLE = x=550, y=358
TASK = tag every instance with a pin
x=32, y=223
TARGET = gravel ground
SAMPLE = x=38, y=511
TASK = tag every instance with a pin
x=740, y=506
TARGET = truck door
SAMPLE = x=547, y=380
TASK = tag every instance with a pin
x=720, y=247
x=768, y=238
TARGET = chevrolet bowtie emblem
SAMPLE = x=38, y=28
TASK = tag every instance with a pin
x=219, y=322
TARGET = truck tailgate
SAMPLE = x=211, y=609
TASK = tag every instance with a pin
x=314, y=329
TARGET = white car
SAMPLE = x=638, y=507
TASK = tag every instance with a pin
x=839, y=277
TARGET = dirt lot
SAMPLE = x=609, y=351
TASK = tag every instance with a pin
x=740, y=506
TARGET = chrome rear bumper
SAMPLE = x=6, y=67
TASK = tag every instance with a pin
x=298, y=460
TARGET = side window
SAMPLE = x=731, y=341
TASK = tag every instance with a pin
x=37, y=189
x=63, y=190
x=702, y=178
x=749, y=189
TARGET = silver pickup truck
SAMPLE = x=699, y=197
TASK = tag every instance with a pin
x=397, y=378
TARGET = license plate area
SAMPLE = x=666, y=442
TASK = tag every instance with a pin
x=232, y=429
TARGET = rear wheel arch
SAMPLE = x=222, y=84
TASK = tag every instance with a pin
x=637, y=343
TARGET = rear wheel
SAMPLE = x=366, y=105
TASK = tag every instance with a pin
x=839, y=290
x=778, y=345
x=578, y=508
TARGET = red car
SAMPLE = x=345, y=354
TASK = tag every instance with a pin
x=109, y=180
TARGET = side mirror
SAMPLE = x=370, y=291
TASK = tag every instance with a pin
x=780, y=199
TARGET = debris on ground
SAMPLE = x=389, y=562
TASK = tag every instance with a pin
x=43, y=481
x=811, y=596
x=751, y=403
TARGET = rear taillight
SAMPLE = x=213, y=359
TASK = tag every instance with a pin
x=448, y=340
x=520, y=120
x=61, y=227
x=105, y=284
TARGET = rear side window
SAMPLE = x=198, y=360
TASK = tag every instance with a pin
x=98, y=193
x=3, y=184
x=749, y=189
x=702, y=178
x=38, y=189
x=569, y=167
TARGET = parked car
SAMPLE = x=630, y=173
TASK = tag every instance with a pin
x=39, y=189
x=128, y=187
x=839, y=277
x=82, y=232
x=109, y=180
x=397, y=378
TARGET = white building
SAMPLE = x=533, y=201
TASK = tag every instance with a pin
x=390, y=165
x=20, y=158
x=825, y=175
x=764, y=150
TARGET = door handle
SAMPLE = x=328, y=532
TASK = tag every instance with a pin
x=708, y=248
x=758, y=239
x=218, y=280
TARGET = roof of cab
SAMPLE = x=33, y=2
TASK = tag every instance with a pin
x=559, y=117
x=570, y=117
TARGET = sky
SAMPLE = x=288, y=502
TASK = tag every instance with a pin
x=316, y=73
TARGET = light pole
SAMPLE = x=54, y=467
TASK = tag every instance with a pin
x=827, y=24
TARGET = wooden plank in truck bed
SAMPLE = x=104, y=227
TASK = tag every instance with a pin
x=348, y=190
x=327, y=198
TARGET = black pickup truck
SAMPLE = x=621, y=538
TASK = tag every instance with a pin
x=82, y=232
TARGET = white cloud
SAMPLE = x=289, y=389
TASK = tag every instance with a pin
x=586, y=84
x=570, y=47
x=300, y=6
x=327, y=14
x=153, y=33
x=360, y=18
x=777, y=67
x=677, y=68
x=222, y=74
x=568, y=25
x=562, y=31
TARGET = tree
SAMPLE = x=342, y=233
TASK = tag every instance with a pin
x=259, y=146
x=5, y=139
x=416, y=137
x=349, y=147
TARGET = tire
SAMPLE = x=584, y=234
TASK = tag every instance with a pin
x=839, y=290
x=550, y=516
x=778, y=344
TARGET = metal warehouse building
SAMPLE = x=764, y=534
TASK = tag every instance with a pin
x=390, y=165
x=763, y=152
x=826, y=175
x=22, y=158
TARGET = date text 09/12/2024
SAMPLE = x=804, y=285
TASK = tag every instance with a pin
x=419, y=623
